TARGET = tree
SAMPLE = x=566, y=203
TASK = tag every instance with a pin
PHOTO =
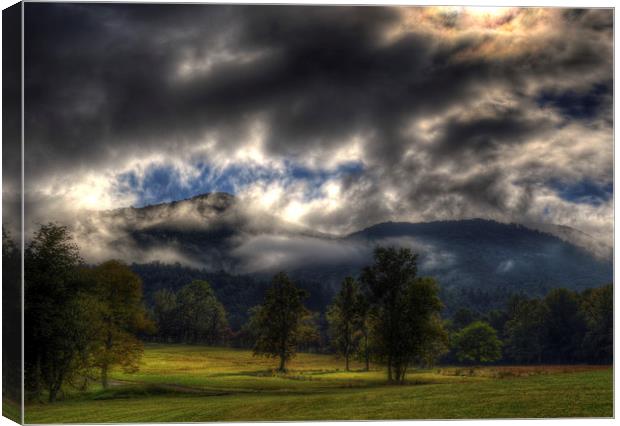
x=308, y=332
x=597, y=306
x=59, y=319
x=478, y=343
x=525, y=330
x=122, y=316
x=565, y=326
x=342, y=317
x=11, y=318
x=278, y=321
x=362, y=324
x=434, y=348
x=165, y=313
x=202, y=316
x=405, y=310
x=497, y=319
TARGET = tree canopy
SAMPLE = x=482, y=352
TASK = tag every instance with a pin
x=478, y=343
x=405, y=310
x=342, y=315
x=278, y=321
x=192, y=315
x=80, y=320
x=122, y=317
x=60, y=314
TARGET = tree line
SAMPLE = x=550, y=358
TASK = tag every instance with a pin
x=191, y=315
x=81, y=320
x=562, y=327
x=391, y=316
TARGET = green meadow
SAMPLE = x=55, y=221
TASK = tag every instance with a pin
x=200, y=384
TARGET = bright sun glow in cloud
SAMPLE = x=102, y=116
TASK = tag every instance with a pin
x=485, y=10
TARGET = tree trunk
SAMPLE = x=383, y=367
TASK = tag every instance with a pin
x=389, y=368
x=104, y=368
x=346, y=359
x=52, y=394
x=38, y=387
x=104, y=376
x=403, y=374
x=396, y=372
x=53, y=390
x=282, y=367
x=366, y=352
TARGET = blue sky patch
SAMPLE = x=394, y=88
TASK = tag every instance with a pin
x=576, y=105
x=585, y=191
x=164, y=183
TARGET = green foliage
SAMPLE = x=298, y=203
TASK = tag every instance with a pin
x=342, y=315
x=238, y=293
x=11, y=316
x=59, y=315
x=405, y=310
x=308, y=332
x=192, y=315
x=278, y=322
x=165, y=307
x=79, y=321
x=597, y=307
x=478, y=343
x=497, y=319
x=363, y=325
x=564, y=326
x=202, y=316
x=525, y=330
x=122, y=315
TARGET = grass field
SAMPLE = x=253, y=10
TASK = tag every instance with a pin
x=195, y=383
x=11, y=409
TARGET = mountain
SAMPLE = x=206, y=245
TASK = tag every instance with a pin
x=200, y=231
x=487, y=254
x=576, y=237
x=216, y=232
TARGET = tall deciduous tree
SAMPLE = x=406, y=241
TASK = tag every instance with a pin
x=59, y=319
x=278, y=322
x=405, y=310
x=119, y=292
x=362, y=322
x=342, y=316
x=478, y=343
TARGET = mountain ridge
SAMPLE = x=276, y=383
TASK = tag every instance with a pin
x=571, y=235
x=217, y=232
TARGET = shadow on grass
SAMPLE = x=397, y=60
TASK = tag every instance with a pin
x=125, y=389
x=148, y=390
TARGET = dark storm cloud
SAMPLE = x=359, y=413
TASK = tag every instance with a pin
x=448, y=111
x=102, y=76
x=483, y=134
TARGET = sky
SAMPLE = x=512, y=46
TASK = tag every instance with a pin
x=333, y=118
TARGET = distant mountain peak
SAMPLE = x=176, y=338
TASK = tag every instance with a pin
x=214, y=198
